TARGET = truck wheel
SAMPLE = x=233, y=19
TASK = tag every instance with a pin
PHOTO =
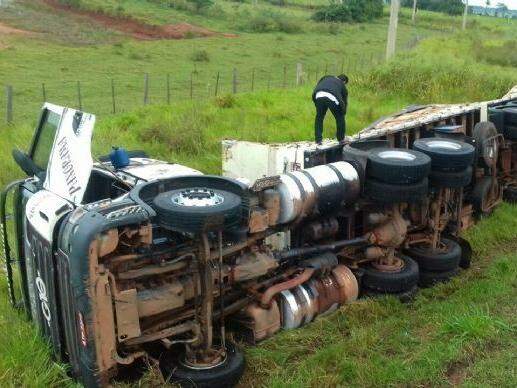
x=389, y=193
x=451, y=180
x=510, y=194
x=226, y=374
x=198, y=209
x=446, y=154
x=397, y=165
x=404, y=297
x=487, y=151
x=510, y=132
x=429, y=278
x=391, y=282
x=446, y=259
x=480, y=196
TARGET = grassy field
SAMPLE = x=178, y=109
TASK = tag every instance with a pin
x=461, y=333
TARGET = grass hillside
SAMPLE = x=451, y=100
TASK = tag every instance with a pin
x=461, y=333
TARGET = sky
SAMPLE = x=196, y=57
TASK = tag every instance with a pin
x=512, y=4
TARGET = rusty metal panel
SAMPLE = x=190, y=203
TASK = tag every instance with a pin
x=128, y=324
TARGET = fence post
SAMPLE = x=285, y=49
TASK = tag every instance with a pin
x=253, y=79
x=146, y=88
x=299, y=74
x=43, y=92
x=168, y=89
x=9, y=104
x=191, y=85
x=79, y=97
x=217, y=84
x=234, y=81
x=113, y=96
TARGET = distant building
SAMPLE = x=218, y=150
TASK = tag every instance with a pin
x=493, y=11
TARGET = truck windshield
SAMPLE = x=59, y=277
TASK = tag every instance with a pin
x=42, y=146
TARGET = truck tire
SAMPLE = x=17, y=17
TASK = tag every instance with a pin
x=226, y=374
x=429, y=278
x=510, y=116
x=480, y=193
x=397, y=165
x=451, y=180
x=510, y=132
x=439, y=261
x=389, y=193
x=446, y=154
x=404, y=297
x=198, y=209
x=391, y=282
x=486, y=153
x=510, y=194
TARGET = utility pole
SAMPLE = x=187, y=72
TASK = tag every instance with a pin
x=413, y=17
x=392, y=29
x=465, y=14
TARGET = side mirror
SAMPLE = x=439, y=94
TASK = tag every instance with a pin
x=26, y=163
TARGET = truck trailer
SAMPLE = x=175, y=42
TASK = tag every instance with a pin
x=125, y=258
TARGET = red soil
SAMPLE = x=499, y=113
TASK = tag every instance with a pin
x=135, y=28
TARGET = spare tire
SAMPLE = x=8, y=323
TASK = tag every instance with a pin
x=510, y=132
x=487, y=152
x=430, y=260
x=398, y=165
x=198, y=209
x=446, y=154
x=451, y=180
x=388, y=193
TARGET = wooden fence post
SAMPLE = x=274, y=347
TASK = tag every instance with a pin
x=146, y=88
x=43, y=92
x=191, y=85
x=168, y=89
x=299, y=74
x=114, y=108
x=79, y=97
x=217, y=84
x=284, y=83
x=9, y=104
x=234, y=81
x=253, y=79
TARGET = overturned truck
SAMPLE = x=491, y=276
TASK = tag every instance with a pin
x=126, y=257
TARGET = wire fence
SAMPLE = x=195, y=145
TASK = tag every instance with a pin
x=106, y=96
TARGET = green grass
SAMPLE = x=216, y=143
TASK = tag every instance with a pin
x=460, y=333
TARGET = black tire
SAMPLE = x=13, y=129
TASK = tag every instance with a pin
x=510, y=194
x=446, y=154
x=177, y=210
x=510, y=116
x=391, y=282
x=496, y=116
x=405, y=296
x=397, y=165
x=451, y=180
x=429, y=279
x=510, y=132
x=486, y=153
x=428, y=260
x=480, y=194
x=226, y=374
x=388, y=193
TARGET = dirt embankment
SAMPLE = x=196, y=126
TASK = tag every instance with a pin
x=136, y=28
x=6, y=30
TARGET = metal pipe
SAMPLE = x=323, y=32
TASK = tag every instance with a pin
x=300, y=252
x=268, y=295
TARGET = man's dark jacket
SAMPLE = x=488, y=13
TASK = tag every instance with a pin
x=334, y=86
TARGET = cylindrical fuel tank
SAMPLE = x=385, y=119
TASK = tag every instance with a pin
x=317, y=189
x=301, y=304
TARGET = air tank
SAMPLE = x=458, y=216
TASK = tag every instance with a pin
x=319, y=189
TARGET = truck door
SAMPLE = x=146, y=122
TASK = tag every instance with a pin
x=61, y=152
